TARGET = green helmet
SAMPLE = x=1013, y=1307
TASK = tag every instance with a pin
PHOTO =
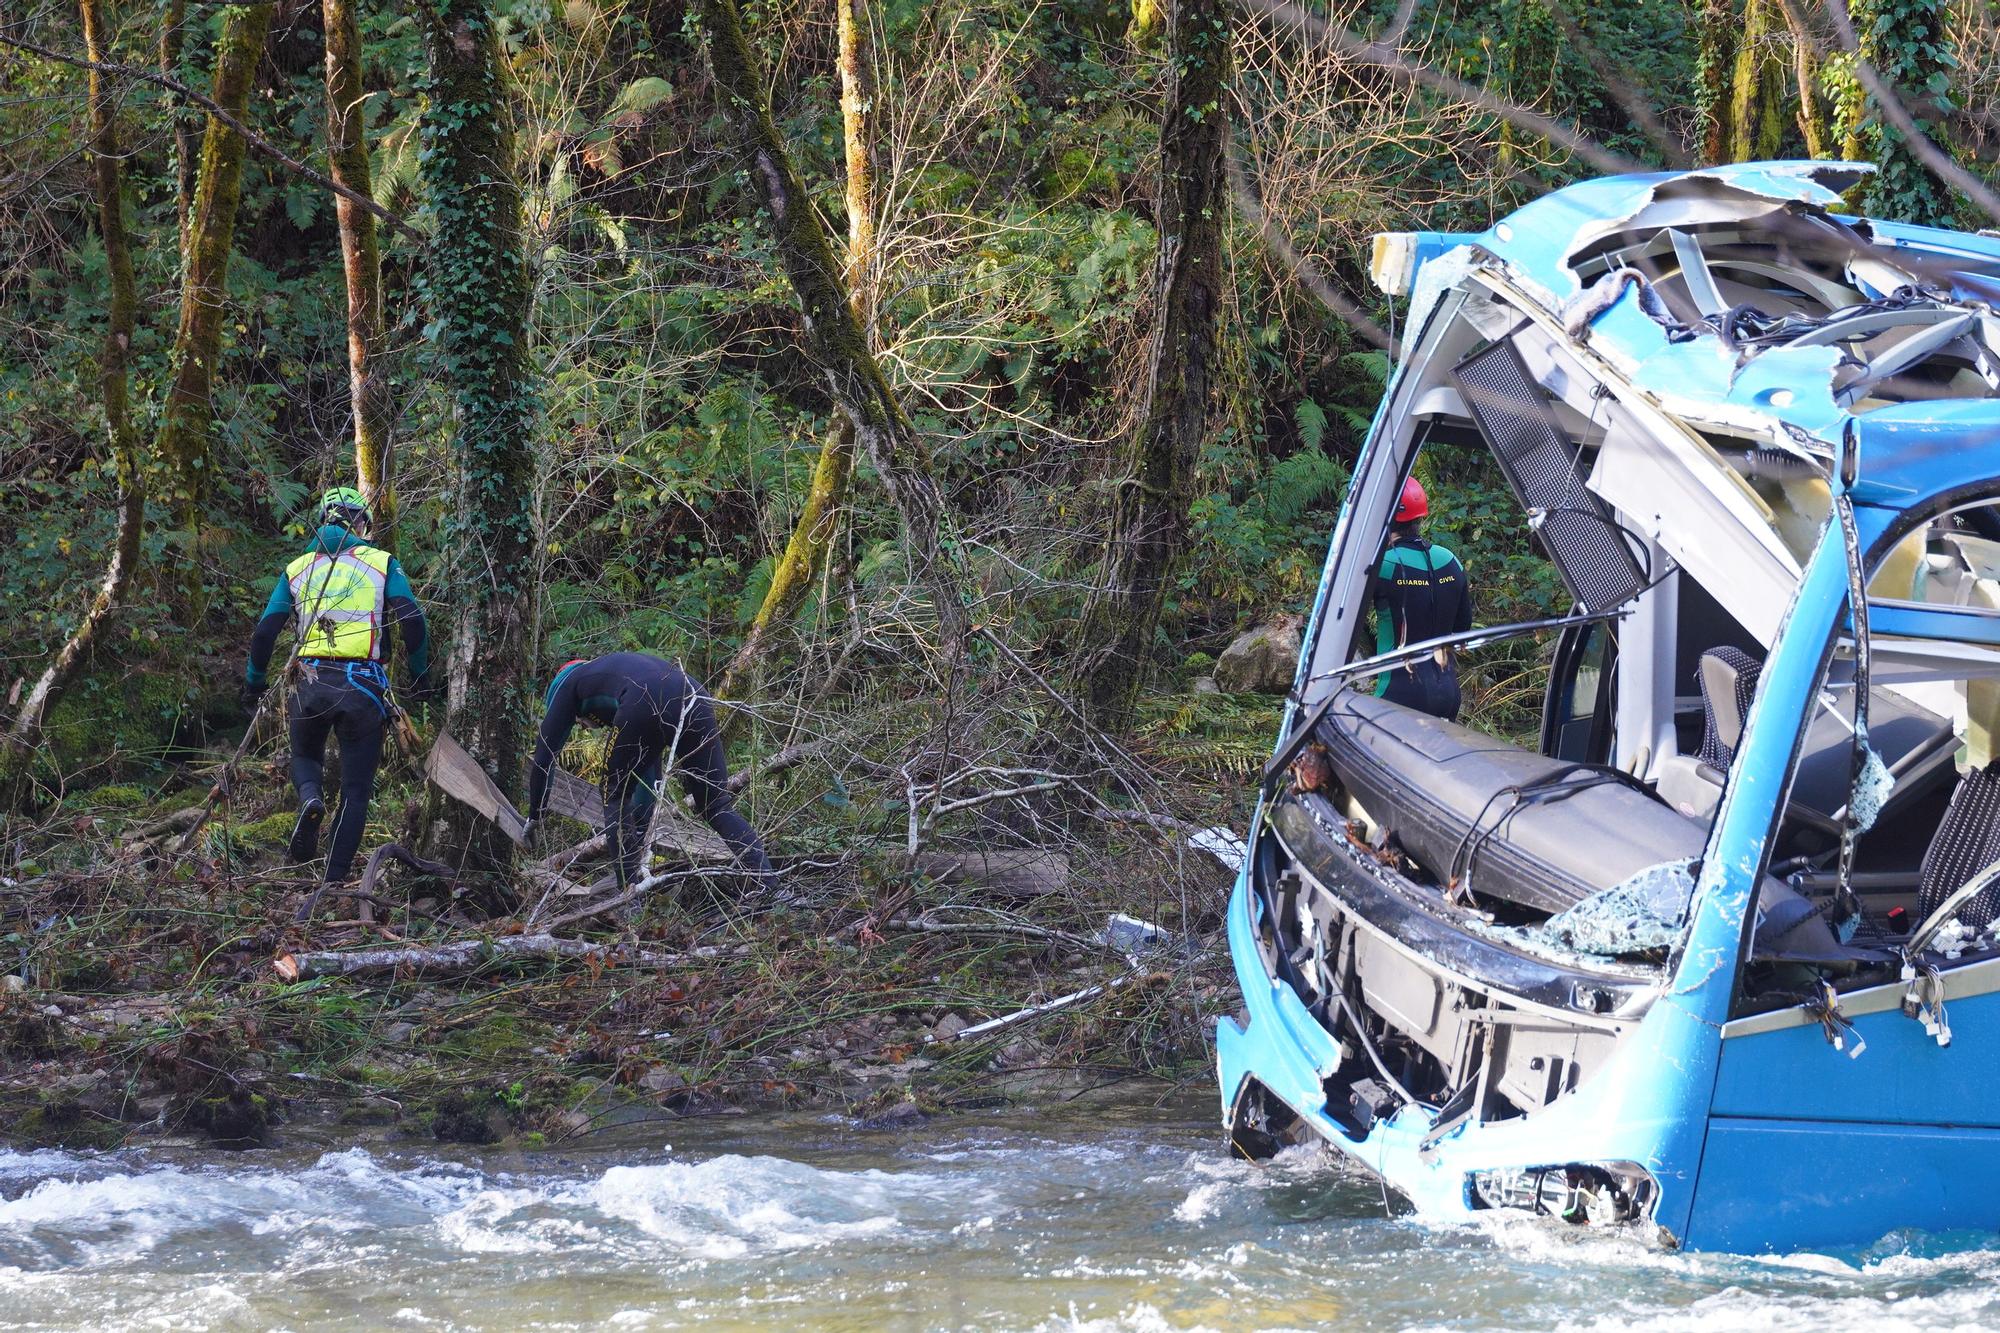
x=344, y=507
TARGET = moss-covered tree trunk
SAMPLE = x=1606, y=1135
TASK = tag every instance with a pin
x=361, y=258
x=1812, y=119
x=1716, y=37
x=1155, y=487
x=121, y=320
x=187, y=142
x=812, y=535
x=1758, y=90
x=835, y=336
x=186, y=418
x=477, y=286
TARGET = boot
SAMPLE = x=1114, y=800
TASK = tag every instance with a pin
x=305, y=833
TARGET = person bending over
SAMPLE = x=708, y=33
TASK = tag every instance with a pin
x=655, y=711
x=342, y=598
x=1420, y=593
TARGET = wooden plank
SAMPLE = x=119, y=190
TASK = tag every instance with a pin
x=459, y=775
x=571, y=795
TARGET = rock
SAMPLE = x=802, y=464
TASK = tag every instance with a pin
x=902, y=1115
x=398, y=1033
x=948, y=1027
x=660, y=1080
x=241, y=1119
x=1020, y=1054
x=1206, y=685
x=1262, y=660
x=12, y=984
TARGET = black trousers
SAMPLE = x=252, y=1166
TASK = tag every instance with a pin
x=646, y=724
x=1426, y=687
x=333, y=700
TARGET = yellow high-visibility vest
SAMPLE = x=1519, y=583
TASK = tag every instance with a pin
x=339, y=602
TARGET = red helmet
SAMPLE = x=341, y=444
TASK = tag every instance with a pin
x=1414, y=504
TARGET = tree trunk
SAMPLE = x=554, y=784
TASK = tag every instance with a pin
x=187, y=145
x=812, y=536
x=26, y=732
x=1757, y=97
x=1715, y=64
x=1156, y=485
x=478, y=288
x=1813, y=127
x=834, y=336
x=183, y=440
x=361, y=257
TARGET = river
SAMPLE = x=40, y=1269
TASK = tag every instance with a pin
x=1125, y=1215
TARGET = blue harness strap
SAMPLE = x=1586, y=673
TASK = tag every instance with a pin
x=369, y=677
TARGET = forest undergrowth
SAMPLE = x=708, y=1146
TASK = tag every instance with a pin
x=146, y=993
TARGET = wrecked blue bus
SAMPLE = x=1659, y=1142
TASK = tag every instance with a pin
x=1714, y=956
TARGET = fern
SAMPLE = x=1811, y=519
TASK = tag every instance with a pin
x=1296, y=484
x=1311, y=419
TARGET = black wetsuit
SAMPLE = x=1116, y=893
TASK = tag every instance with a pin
x=1420, y=593
x=654, y=709
x=345, y=698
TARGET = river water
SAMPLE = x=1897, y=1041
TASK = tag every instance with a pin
x=1125, y=1215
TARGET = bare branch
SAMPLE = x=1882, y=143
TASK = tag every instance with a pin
x=208, y=104
x=1298, y=265
x=1285, y=16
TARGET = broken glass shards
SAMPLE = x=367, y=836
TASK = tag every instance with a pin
x=1644, y=912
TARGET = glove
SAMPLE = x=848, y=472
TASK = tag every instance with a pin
x=249, y=693
x=531, y=837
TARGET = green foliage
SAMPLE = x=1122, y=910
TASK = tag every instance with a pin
x=1908, y=43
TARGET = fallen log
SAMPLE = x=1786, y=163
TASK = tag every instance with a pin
x=469, y=955
x=1023, y=873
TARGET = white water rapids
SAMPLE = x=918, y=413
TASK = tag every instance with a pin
x=1127, y=1218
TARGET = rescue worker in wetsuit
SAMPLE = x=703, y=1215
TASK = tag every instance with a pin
x=343, y=598
x=1420, y=593
x=655, y=711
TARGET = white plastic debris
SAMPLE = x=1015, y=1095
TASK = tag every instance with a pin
x=1222, y=844
x=1130, y=935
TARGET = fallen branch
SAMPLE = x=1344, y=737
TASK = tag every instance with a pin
x=925, y=926
x=600, y=907
x=371, y=875
x=1035, y=1011
x=789, y=757
x=465, y=956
